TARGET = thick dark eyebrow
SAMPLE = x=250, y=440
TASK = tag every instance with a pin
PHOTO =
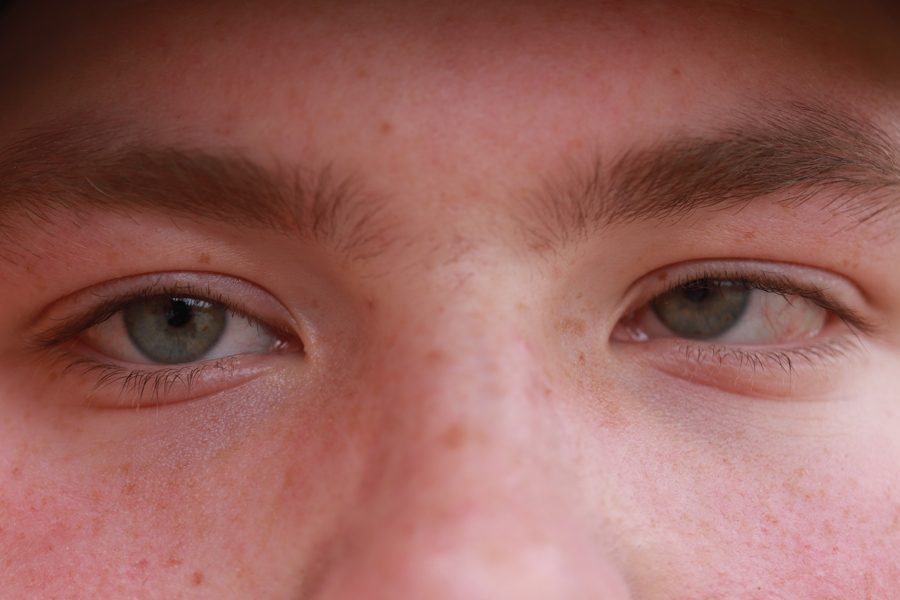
x=57, y=171
x=790, y=154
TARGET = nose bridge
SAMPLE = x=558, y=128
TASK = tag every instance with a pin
x=478, y=384
x=467, y=497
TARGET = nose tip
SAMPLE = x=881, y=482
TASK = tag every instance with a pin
x=473, y=555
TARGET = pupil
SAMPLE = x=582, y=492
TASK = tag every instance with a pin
x=696, y=293
x=179, y=313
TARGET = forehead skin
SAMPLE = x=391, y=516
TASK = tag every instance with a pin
x=449, y=111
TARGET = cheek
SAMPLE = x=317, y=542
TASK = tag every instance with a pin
x=827, y=529
x=99, y=526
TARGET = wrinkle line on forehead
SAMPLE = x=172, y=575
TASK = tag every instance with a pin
x=61, y=169
x=796, y=152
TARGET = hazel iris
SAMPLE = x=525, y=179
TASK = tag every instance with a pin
x=174, y=330
x=702, y=309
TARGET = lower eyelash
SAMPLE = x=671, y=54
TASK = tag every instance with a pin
x=784, y=359
x=139, y=385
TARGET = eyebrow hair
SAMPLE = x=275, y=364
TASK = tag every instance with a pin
x=798, y=150
x=66, y=166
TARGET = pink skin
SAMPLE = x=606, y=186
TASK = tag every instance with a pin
x=463, y=427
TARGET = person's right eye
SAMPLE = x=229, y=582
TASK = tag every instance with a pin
x=177, y=329
x=166, y=338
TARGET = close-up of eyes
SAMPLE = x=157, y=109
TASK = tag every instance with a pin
x=173, y=335
x=180, y=336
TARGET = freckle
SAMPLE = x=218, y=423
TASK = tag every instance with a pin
x=662, y=276
x=129, y=489
x=521, y=307
x=362, y=73
x=174, y=562
x=895, y=522
x=203, y=259
x=676, y=71
x=16, y=472
x=454, y=436
x=197, y=578
x=435, y=357
x=386, y=128
x=573, y=326
x=749, y=235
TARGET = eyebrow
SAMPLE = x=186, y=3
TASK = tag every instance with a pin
x=790, y=154
x=795, y=151
x=62, y=168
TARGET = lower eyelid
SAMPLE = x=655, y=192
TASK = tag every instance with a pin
x=105, y=385
x=774, y=372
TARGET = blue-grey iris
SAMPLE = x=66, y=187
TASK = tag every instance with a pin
x=174, y=330
x=702, y=309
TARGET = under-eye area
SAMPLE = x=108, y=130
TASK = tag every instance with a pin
x=747, y=325
x=166, y=338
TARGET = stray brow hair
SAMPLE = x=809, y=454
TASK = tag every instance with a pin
x=55, y=171
x=797, y=149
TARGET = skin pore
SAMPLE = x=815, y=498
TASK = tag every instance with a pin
x=445, y=226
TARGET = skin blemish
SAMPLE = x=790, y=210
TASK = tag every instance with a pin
x=454, y=436
x=197, y=578
x=203, y=259
x=571, y=326
x=174, y=561
x=435, y=357
x=386, y=128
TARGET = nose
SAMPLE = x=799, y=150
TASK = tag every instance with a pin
x=472, y=493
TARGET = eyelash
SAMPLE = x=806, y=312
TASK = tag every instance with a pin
x=141, y=381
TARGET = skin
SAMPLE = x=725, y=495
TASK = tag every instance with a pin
x=461, y=425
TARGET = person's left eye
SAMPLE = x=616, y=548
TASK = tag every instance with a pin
x=748, y=326
x=727, y=311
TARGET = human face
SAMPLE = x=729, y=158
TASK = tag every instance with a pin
x=446, y=226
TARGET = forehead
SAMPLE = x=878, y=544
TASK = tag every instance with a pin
x=521, y=81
